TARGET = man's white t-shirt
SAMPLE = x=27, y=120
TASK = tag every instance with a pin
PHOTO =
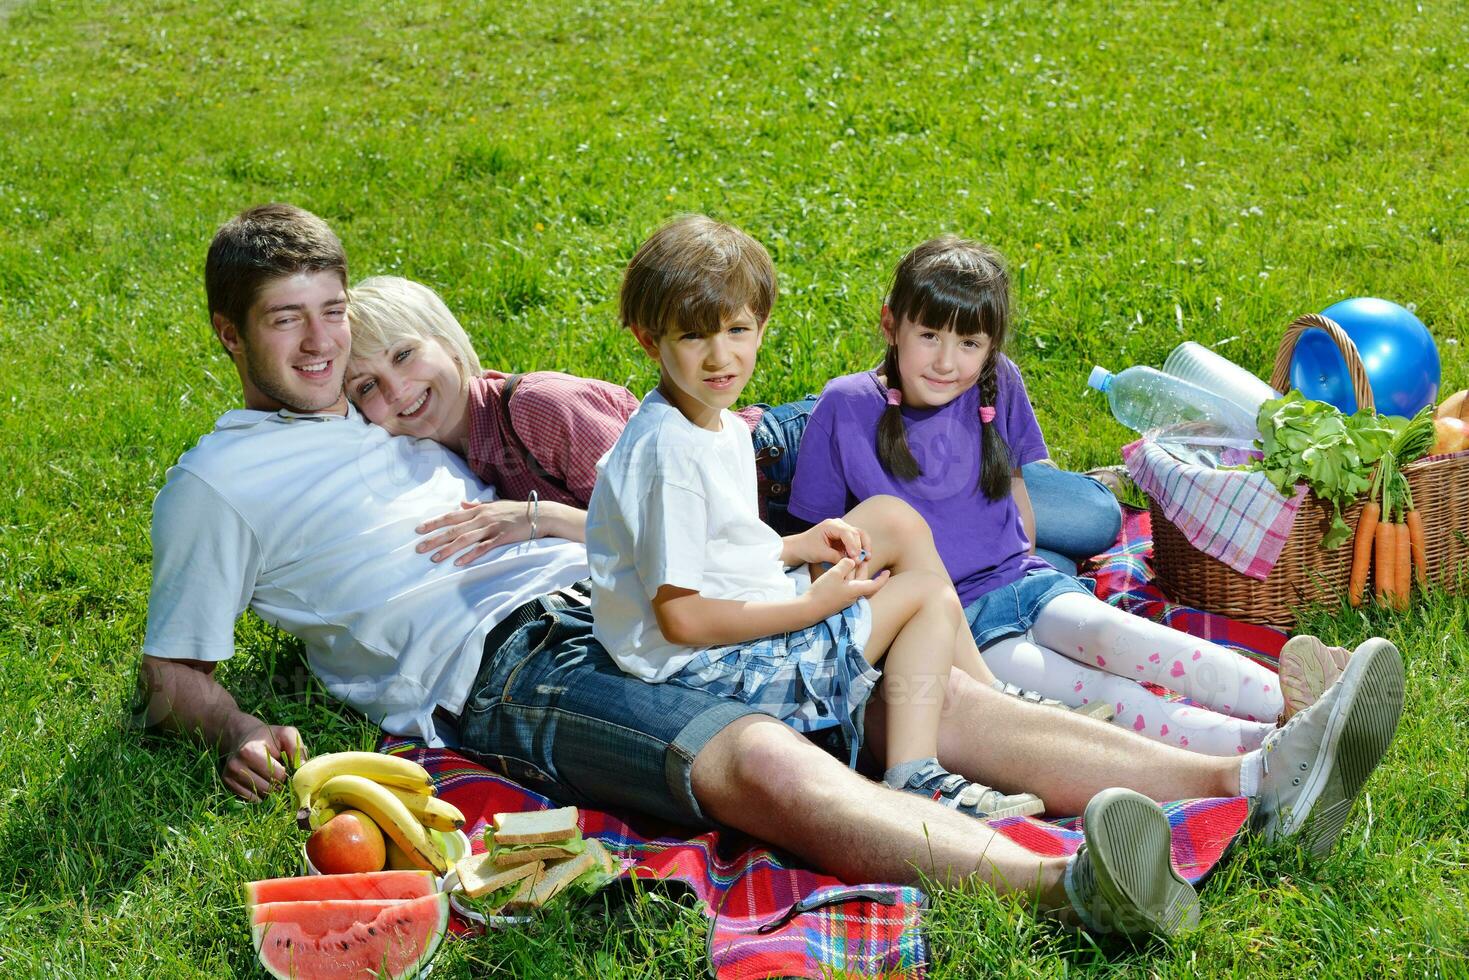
x=309, y=520
x=675, y=504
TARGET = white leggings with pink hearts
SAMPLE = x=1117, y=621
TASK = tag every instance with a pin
x=1080, y=650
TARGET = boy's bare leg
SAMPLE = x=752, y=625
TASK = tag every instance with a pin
x=1063, y=758
x=762, y=778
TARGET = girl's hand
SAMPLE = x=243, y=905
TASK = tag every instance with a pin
x=831, y=541
x=839, y=586
x=476, y=526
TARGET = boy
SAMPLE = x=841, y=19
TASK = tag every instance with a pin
x=690, y=588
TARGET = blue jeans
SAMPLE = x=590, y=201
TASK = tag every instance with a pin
x=552, y=711
x=1076, y=517
x=777, y=440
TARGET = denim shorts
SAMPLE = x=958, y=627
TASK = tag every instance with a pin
x=812, y=679
x=1011, y=609
x=552, y=711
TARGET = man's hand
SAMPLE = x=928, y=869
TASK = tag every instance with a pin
x=252, y=766
x=829, y=542
x=840, y=586
x=477, y=527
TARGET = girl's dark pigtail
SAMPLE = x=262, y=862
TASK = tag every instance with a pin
x=892, y=434
x=994, y=474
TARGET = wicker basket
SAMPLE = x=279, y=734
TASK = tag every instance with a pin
x=1306, y=572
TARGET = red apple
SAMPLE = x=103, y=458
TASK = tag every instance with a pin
x=347, y=843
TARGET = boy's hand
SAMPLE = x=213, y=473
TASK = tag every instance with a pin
x=476, y=526
x=830, y=541
x=839, y=586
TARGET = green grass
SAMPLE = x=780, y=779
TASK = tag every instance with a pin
x=1155, y=172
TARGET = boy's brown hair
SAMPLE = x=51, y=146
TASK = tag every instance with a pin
x=692, y=275
x=264, y=243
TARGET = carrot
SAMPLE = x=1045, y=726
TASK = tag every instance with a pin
x=1383, y=576
x=1404, y=588
x=1362, y=552
x=1419, y=541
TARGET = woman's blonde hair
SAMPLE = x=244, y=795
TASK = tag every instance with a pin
x=386, y=309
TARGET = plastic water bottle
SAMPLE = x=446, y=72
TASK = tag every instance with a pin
x=1153, y=403
x=1197, y=364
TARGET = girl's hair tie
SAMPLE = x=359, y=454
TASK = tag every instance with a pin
x=986, y=413
x=895, y=397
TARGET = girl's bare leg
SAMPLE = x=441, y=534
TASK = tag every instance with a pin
x=914, y=617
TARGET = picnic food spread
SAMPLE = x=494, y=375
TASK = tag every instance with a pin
x=351, y=918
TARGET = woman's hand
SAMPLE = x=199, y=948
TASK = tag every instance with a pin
x=829, y=542
x=477, y=527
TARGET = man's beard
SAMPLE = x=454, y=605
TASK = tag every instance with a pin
x=275, y=389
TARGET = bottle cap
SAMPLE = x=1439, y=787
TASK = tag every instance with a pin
x=1101, y=378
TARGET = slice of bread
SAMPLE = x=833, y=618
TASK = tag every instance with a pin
x=604, y=858
x=479, y=875
x=535, y=827
x=511, y=859
x=557, y=876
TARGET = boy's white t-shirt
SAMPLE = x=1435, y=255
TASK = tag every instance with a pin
x=675, y=504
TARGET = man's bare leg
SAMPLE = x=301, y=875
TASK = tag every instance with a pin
x=1062, y=757
x=762, y=778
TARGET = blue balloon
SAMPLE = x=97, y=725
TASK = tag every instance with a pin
x=1396, y=349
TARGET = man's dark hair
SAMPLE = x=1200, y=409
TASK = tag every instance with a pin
x=265, y=243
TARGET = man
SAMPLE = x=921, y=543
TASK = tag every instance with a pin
x=297, y=508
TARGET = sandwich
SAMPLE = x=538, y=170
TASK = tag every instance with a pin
x=556, y=878
x=493, y=888
x=541, y=835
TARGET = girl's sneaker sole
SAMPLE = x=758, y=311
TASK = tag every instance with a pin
x=1307, y=668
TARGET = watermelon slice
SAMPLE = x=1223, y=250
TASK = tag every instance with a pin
x=356, y=887
x=356, y=939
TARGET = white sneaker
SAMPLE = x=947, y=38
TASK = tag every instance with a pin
x=1315, y=764
x=1123, y=880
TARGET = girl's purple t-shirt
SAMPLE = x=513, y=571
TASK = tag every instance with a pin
x=982, y=542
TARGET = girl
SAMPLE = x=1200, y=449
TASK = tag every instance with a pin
x=945, y=424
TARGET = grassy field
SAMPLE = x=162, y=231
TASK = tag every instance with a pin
x=1155, y=172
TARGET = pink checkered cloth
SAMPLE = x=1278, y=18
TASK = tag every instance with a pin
x=1235, y=516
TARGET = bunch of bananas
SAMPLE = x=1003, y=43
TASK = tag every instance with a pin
x=395, y=793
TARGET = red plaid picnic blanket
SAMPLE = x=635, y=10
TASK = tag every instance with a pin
x=772, y=916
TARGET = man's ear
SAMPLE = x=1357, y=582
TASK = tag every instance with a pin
x=224, y=329
x=889, y=327
x=646, y=341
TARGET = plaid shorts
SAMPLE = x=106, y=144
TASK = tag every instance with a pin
x=812, y=679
